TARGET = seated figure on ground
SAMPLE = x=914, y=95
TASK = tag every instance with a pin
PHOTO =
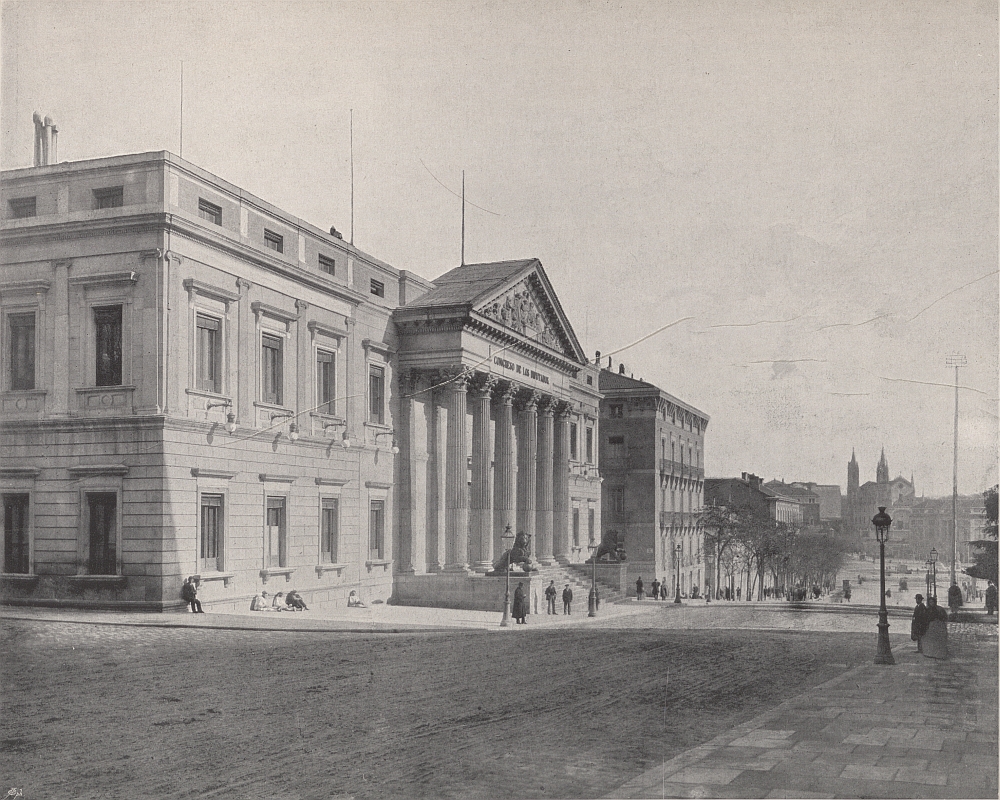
x=295, y=601
x=354, y=601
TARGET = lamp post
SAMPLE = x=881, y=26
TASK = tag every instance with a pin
x=593, y=599
x=677, y=573
x=505, y=620
x=933, y=558
x=883, y=653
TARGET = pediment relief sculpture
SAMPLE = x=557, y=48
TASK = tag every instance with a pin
x=520, y=310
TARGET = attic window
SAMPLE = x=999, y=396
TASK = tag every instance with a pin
x=111, y=197
x=590, y=380
x=22, y=207
x=378, y=288
x=327, y=264
x=615, y=411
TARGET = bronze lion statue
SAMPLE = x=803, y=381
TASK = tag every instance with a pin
x=612, y=545
x=519, y=554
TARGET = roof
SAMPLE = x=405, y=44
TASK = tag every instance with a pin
x=615, y=380
x=788, y=490
x=466, y=284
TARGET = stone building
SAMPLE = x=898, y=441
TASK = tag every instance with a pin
x=499, y=429
x=195, y=383
x=652, y=458
x=803, y=504
x=185, y=366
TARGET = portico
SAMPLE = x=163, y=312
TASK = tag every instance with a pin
x=493, y=381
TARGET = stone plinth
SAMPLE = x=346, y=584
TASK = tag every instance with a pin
x=470, y=592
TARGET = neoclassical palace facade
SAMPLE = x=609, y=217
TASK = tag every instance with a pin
x=196, y=383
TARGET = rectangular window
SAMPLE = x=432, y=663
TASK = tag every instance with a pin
x=616, y=446
x=275, y=545
x=378, y=288
x=274, y=241
x=111, y=197
x=103, y=507
x=108, y=335
x=376, y=530
x=327, y=265
x=326, y=382
x=210, y=556
x=15, y=534
x=615, y=411
x=376, y=394
x=592, y=526
x=576, y=527
x=616, y=498
x=590, y=445
x=329, y=530
x=22, y=207
x=270, y=364
x=574, y=450
x=209, y=211
x=209, y=348
x=22, y=351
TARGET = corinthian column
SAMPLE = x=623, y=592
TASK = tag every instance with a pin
x=560, y=484
x=481, y=507
x=504, y=494
x=527, y=465
x=543, y=516
x=457, y=491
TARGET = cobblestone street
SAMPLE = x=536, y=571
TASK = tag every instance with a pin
x=555, y=710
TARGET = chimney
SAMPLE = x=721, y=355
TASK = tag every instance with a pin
x=46, y=140
x=597, y=359
x=621, y=369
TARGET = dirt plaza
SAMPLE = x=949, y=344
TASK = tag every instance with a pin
x=557, y=710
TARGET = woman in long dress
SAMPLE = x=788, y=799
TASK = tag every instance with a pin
x=520, y=607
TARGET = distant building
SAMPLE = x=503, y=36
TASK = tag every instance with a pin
x=830, y=499
x=863, y=502
x=804, y=501
x=930, y=527
x=652, y=457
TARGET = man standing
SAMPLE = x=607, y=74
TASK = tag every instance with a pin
x=550, y=598
x=991, y=598
x=918, y=625
x=567, y=600
x=638, y=589
x=656, y=589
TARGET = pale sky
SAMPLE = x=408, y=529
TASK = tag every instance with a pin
x=812, y=183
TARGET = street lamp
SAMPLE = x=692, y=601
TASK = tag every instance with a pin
x=883, y=653
x=934, y=555
x=677, y=571
x=593, y=599
x=505, y=620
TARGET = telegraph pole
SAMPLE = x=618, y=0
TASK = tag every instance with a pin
x=955, y=360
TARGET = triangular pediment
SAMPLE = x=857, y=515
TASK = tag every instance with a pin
x=527, y=305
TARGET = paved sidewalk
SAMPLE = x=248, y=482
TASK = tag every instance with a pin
x=379, y=618
x=922, y=728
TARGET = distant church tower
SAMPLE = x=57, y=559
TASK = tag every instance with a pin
x=882, y=473
x=853, y=500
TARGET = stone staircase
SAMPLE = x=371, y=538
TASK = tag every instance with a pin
x=578, y=577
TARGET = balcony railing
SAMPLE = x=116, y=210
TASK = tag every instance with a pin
x=681, y=470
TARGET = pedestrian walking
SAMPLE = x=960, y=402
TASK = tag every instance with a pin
x=567, y=600
x=638, y=589
x=663, y=589
x=656, y=589
x=189, y=594
x=520, y=607
x=991, y=598
x=550, y=598
x=935, y=640
x=919, y=622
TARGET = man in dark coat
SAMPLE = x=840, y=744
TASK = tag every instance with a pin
x=991, y=598
x=520, y=606
x=567, y=600
x=918, y=625
x=189, y=594
x=656, y=589
x=550, y=598
x=638, y=589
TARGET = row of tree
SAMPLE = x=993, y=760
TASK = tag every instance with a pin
x=746, y=541
x=984, y=559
